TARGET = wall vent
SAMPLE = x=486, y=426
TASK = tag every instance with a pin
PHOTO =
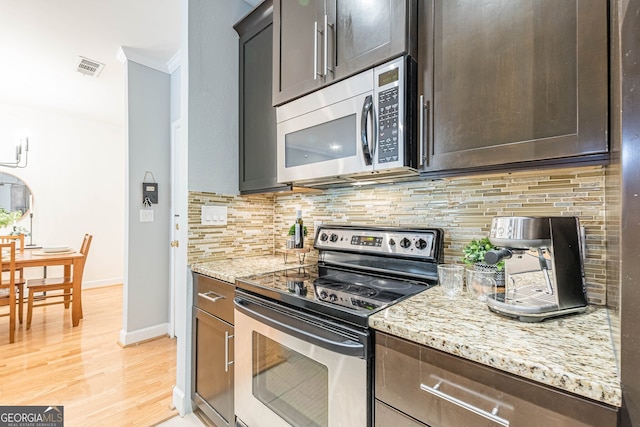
x=89, y=67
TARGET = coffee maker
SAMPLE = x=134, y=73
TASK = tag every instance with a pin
x=544, y=275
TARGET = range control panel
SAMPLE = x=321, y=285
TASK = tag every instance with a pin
x=419, y=243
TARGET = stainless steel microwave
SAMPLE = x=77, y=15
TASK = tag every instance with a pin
x=359, y=129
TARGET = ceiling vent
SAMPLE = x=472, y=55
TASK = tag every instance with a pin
x=89, y=67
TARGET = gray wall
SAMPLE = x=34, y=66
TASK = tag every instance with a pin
x=212, y=117
x=147, y=259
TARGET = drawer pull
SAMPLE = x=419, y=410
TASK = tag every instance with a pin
x=227, y=362
x=206, y=296
x=491, y=416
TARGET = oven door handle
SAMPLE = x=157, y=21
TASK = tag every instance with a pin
x=305, y=331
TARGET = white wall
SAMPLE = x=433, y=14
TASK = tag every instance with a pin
x=76, y=175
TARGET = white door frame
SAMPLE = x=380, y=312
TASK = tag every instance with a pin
x=179, y=227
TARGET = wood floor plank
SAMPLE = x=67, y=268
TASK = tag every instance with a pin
x=98, y=382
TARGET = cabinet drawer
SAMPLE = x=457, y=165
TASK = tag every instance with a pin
x=439, y=389
x=213, y=296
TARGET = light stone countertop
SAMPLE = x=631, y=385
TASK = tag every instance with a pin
x=573, y=353
x=230, y=269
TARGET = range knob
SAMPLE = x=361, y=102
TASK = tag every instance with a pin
x=323, y=295
x=324, y=237
x=405, y=243
x=392, y=242
x=333, y=297
x=334, y=237
x=421, y=244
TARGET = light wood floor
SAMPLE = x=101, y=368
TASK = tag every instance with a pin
x=84, y=369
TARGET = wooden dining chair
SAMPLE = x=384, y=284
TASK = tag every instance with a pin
x=19, y=272
x=56, y=290
x=8, y=286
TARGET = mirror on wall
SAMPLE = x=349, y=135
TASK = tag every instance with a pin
x=14, y=193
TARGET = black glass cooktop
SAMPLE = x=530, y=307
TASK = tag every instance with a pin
x=346, y=295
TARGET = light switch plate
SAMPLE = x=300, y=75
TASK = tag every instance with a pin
x=146, y=215
x=213, y=215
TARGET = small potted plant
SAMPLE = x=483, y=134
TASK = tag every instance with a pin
x=473, y=257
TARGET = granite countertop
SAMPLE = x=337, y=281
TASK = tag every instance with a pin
x=230, y=269
x=573, y=353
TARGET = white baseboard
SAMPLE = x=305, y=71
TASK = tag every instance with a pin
x=133, y=337
x=181, y=402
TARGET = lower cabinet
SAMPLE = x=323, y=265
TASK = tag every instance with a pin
x=419, y=386
x=213, y=350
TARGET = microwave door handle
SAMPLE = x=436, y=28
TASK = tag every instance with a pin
x=367, y=151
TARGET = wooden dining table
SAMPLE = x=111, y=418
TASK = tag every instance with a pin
x=73, y=263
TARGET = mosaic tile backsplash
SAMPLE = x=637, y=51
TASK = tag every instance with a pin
x=462, y=207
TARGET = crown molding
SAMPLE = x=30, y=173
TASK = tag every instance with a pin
x=174, y=63
x=141, y=57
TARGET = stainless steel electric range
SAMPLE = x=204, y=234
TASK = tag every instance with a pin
x=304, y=352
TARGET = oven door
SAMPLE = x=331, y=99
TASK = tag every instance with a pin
x=296, y=370
x=328, y=133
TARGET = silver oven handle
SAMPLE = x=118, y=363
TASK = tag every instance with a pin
x=491, y=416
x=206, y=296
x=367, y=148
x=301, y=329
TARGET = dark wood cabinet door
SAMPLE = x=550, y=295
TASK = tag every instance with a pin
x=213, y=379
x=297, y=48
x=369, y=33
x=514, y=81
x=258, y=164
x=318, y=42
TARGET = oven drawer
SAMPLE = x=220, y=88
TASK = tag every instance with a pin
x=213, y=296
x=440, y=389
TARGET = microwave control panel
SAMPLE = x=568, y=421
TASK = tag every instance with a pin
x=389, y=86
x=388, y=119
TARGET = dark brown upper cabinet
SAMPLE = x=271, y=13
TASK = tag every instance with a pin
x=512, y=82
x=257, y=115
x=318, y=42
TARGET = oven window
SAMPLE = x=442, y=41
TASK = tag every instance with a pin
x=290, y=384
x=327, y=141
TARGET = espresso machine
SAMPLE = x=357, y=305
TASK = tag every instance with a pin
x=544, y=275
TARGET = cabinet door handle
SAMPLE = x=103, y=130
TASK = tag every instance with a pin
x=491, y=416
x=315, y=51
x=422, y=148
x=206, y=296
x=227, y=337
x=326, y=44
x=424, y=131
